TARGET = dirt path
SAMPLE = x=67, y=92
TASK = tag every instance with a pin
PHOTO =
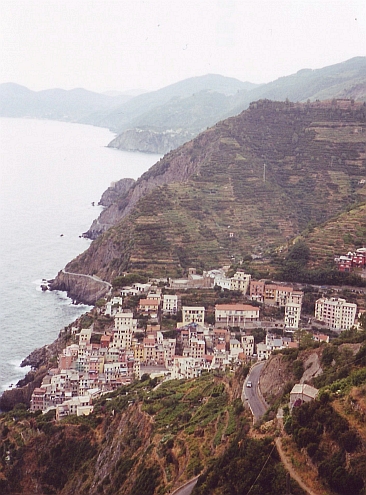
x=290, y=468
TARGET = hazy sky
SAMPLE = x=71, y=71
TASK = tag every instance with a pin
x=123, y=44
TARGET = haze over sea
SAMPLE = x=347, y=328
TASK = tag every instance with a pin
x=50, y=174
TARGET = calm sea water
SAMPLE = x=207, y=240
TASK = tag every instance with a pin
x=50, y=173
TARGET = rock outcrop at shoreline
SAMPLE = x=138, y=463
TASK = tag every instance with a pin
x=80, y=288
x=116, y=190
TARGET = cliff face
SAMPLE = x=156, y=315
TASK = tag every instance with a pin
x=117, y=189
x=80, y=288
x=112, y=198
x=175, y=167
x=150, y=141
x=279, y=371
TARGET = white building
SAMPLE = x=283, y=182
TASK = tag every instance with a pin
x=263, y=351
x=113, y=306
x=193, y=314
x=292, y=315
x=300, y=393
x=337, y=313
x=122, y=338
x=186, y=367
x=247, y=342
x=236, y=314
x=170, y=304
x=125, y=320
x=235, y=348
x=197, y=348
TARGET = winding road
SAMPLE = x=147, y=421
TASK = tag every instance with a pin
x=252, y=395
x=91, y=277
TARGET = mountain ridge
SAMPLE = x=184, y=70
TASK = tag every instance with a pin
x=173, y=115
x=244, y=186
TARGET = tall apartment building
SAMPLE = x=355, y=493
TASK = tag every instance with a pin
x=292, y=315
x=256, y=290
x=337, y=313
x=170, y=304
x=247, y=342
x=240, y=281
x=125, y=320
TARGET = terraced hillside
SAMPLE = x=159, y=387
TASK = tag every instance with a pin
x=244, y=186
x=344, y=233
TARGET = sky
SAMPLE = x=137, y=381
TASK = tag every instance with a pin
x=104, y=45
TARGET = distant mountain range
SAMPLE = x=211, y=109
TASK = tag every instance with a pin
x=162, y=120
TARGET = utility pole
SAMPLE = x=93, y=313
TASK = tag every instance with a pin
x=264, y=172
x=288, y=484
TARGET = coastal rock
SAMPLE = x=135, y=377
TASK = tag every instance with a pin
x=116, y=194
x=80, y=288
x=116, y=190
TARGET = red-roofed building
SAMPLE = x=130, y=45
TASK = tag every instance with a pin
x=149, y=306
x=105, y=340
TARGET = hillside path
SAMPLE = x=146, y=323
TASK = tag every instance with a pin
x=290, y=469
x=91, y=277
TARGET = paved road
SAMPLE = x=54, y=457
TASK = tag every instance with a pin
x=92, y=277
x=252, y=395
x=187, y=488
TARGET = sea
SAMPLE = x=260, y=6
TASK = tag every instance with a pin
x=51, y=174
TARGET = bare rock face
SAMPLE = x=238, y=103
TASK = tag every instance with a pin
x=115, y=191
x=81, y=288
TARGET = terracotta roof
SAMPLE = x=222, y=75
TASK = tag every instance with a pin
x=149, y=302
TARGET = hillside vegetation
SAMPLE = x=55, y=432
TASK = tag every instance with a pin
x=141, y=439
x=343, y=233
x=245, y=186
x=150, y=437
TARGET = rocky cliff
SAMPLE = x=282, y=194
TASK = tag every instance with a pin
x=80, y=288
x=175, y=167
x=116, y=190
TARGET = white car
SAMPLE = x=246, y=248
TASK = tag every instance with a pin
x=249, y=384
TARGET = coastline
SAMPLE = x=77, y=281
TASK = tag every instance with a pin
x=39, y=361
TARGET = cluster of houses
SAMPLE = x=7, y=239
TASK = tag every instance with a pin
x=351, y=260
x=92, y=366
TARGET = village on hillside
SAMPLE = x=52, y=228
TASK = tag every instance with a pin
x=135, y=344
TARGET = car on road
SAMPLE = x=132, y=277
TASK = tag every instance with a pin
x=249, y=384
